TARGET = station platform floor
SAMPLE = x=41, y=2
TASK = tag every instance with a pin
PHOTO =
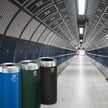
x=81, y=85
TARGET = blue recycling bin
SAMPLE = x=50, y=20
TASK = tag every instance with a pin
x=10, y=82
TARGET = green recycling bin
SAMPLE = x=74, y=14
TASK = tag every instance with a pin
x=48, y=78
x=30, y=84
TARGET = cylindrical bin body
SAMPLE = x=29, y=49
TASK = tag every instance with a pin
x=30, y=79
x=10, y=82
x=1, y=87
x=48, y=80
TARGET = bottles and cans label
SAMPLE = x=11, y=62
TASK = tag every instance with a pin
x=52, y=70
x=35, y=73
x=14, y=78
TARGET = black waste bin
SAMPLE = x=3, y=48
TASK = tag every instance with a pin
x=30, y=84
x=48, y=80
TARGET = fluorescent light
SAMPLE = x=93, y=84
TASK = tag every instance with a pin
x=81, y=30
x=81, y=40
x=81, y=7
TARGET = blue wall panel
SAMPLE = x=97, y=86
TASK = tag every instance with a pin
x=7, y=49
x=21, y=49
x=36, y=50
x=0, y=37
x=30, y=51
x=100, y=55
x=15, y=50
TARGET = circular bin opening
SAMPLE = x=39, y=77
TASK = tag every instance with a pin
x=25, y=62
x=9, y=65
x=48, y=62
x=47, y=59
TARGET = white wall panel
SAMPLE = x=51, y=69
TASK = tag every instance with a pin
x=57, y=41
x=52, y=39
x=38, y=33
x=48, y=38
x=30, y=29
x=7, y=11
x=44, y=35
x=103, y=42
x=106, y=37
x=18, y=24
x=61, y=43
x=52, y=43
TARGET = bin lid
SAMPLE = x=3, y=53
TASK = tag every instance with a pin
x=0, y=69
x=29, y=65
x=10, y=68
x=48, y=62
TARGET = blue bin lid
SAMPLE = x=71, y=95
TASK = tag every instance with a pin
x=10, y=68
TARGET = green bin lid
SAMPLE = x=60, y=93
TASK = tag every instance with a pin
x=29, y=65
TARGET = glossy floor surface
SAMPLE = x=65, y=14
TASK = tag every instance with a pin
x=81, y=85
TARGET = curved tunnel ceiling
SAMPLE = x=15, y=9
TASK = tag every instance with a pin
x=96, y=21
x=53, y=22
x=98, y=26
x=44, y=21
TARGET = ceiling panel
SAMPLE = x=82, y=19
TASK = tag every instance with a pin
x=54, y=41
x=37, y=5
x=105, y=1
x=61, y=5
x=18, y=24
x=106, y=10
x=102, y=5
x=46, y=41
x=57, y=40
x=7, y=11
x=44, y=35
x=38, y=33
x=105, y=16
x=32, y=26
x=59, y=27
x=51, y=39
x=91, y=11
x=56, y=23
x=22, y=2
x=47, y=12
x=58, y=0
x=70, y=15
x=52, y=18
